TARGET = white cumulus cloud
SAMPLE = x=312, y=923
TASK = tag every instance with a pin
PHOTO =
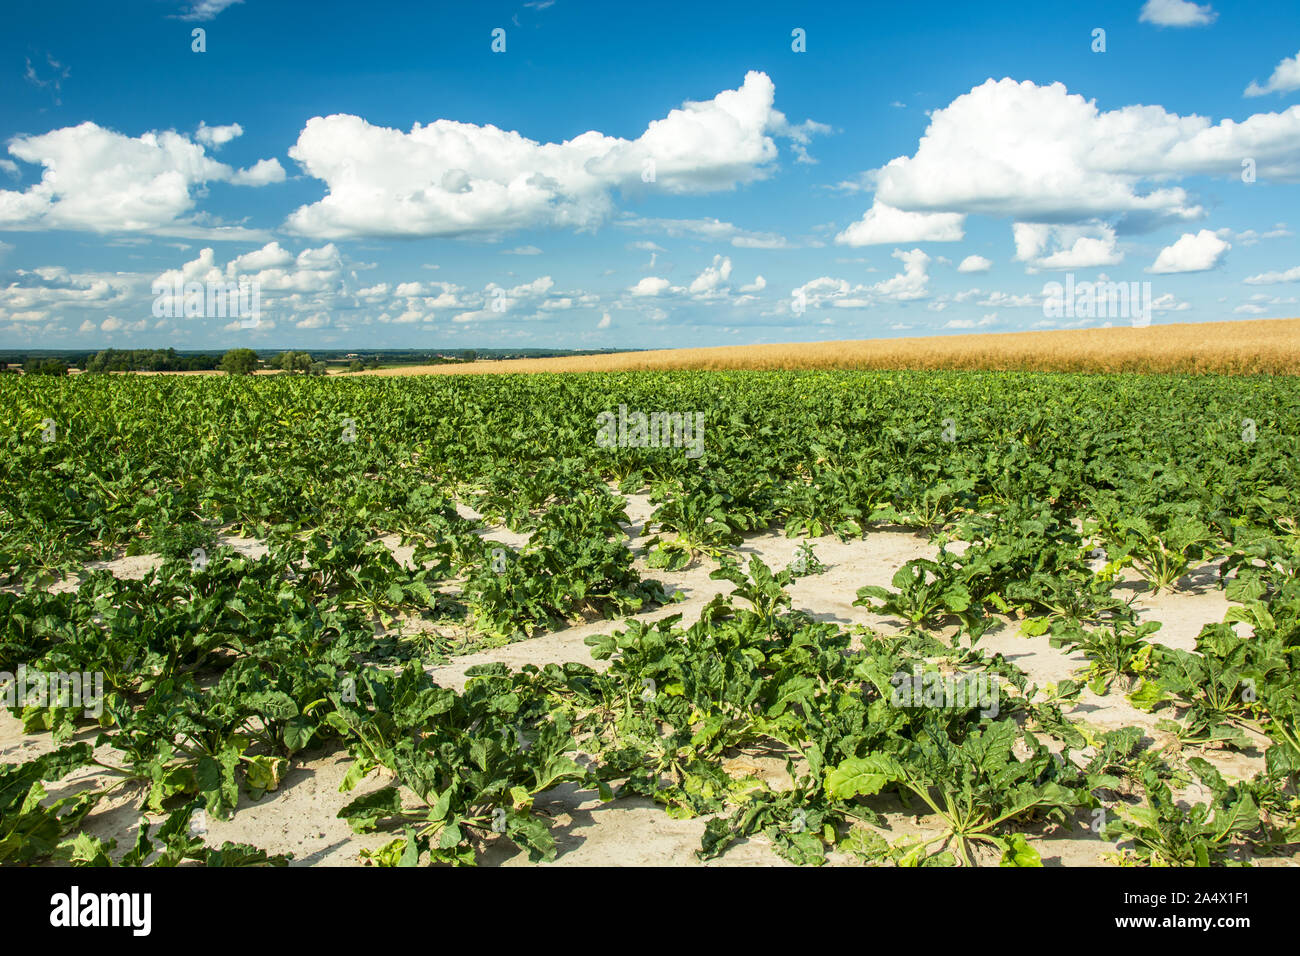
x=449, y=178
x=1177, y=13
x=911, y=282
x=650, y=286
x=709, y=282
x=1040, y=154
x=1072, y=246
x=1193, y=252
x=1285, y=78
x=883, y=224
x=206, y=9
x=100, y=180
x=215, y=136
x=1269, y=278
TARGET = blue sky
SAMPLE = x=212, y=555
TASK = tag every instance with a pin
x=629, y=175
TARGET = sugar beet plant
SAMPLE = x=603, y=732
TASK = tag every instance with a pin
x=374, y=503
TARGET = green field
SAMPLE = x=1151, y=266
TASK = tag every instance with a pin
x=223, y=672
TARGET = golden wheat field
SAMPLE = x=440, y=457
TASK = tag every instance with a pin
x=1269, y=346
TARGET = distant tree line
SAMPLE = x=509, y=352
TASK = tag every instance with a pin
x=149, y=360
x=45, y=366
x=38, y=366
x=244, y=361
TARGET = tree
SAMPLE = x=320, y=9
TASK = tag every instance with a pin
x=143, y=360
x=292, y=361
x=239, y=362
x=317, y=368
x=49, y=366
x=356, y=365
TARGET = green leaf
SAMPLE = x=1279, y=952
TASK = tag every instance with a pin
x=861, y=776
x=365, y=812
x=1016, y=851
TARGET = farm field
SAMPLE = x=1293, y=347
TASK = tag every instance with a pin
x=845, y=617
x=1256, y=346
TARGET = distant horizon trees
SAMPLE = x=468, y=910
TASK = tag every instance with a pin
x=300, y=362
x=148, y=360
x=45, y=366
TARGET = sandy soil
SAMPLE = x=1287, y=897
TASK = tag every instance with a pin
x=301, y=817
